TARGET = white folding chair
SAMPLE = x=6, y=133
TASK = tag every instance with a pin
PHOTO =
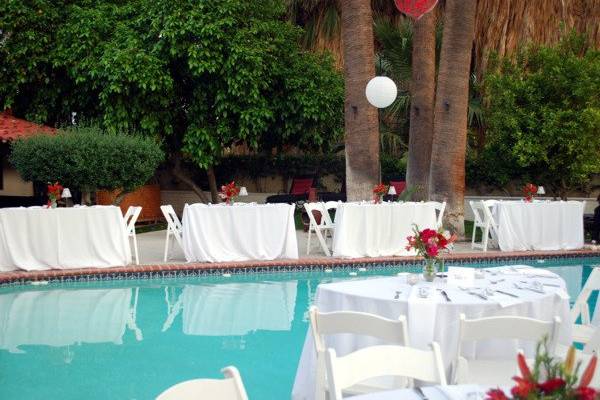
x=230, y=388
x=330, y=205
x=583, y=331
x=318, y=229
x=439, y=210
x=174, y=228
x=498, y=372
x=484, y=220
x=130, y=218
x=358, y=323
x=379, y=361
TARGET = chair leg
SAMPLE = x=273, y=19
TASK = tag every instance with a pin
x=308, y=240
x=166, y=257
x=323, y=242
x=473, y=236
x=135, y=248
x=485, y=235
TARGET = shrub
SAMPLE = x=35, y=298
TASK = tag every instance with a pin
x=87, y=159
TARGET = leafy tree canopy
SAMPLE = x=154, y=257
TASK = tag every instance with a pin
x=543, y=116
x=210, y=73
x=87, y=159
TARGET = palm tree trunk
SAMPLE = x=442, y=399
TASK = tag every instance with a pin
x=422, y=96
x=447, y=173
x=361, y=119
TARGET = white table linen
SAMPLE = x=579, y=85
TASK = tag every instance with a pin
x=64, y=317
x=450, y=392
x=373, y=230
x=435, y=319
x=540, y=225
x=37, y=238
x=221, y=233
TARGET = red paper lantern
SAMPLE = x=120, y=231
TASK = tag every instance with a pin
x=415, y=8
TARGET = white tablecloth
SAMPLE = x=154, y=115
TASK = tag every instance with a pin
x=451, y=392
x=36, y=238
x=372, y=230
x=435, y=319
x=64, y=317
x=540, y=225
x=242, y=232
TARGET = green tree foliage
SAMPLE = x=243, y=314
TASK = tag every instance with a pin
x=208, y=73
x=543, y=116
x=87, y=159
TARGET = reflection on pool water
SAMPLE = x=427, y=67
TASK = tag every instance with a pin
x=132, y=339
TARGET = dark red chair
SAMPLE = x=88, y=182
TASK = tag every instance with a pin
x=298, y=192
x=399, y=186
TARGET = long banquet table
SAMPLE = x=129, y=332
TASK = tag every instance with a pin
x=373, y=230
x=37, y=238
x=240, y=232
x=435, y=319
x=540, y=225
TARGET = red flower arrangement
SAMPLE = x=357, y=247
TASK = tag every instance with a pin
x=378, y=192
x=529, y=191
x=429, y=243
x=560, y=379
x=54, y=193
x=229, y=192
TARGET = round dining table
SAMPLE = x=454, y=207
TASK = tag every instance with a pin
x=433, y=309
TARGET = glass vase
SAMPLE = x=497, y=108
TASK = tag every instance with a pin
x=430, y=269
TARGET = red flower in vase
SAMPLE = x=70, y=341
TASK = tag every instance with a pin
x=585, y=393
x=552, y=385
x=229, y=191
x=529, y=191
x=523, y=388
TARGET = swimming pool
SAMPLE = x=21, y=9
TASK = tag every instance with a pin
x=127, y=339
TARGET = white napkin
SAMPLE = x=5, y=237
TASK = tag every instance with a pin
x=461, y=391
x=421, y=317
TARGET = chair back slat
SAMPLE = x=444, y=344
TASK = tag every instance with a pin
x=358, y=323
x=509, y=327
x=378, y=361
x=230, y=388
x=581, y=307
x=130, y=218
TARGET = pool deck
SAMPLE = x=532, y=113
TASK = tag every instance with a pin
x=151, y=247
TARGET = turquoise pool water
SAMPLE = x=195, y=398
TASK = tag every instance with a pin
x=132, y=339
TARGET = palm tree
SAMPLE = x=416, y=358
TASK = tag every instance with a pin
x=361, y=119
x=447, y=172
x=422, y=102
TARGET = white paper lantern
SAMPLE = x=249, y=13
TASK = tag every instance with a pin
x=381, y=91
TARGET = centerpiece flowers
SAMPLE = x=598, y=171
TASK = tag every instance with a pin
x=529, y=191
x=229, y=192
x=550, y=378
x=378, y=192
x=54, y=193
x=429, y=244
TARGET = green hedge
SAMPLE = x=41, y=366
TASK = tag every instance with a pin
x=87, y=159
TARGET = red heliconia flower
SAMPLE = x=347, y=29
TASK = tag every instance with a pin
x=523, y=367
x=552, y=385
x=585, y=393
x=588, y=374
x=496, y=394
x=523, y=388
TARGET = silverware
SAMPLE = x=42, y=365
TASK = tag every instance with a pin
x=421, y=394
x=397, y=296
x=507, y=293
x=550, y=284
x=481, y=296
x=443, y=292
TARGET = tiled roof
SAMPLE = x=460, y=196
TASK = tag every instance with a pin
x=12, y=127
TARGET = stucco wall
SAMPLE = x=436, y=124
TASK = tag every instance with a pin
x=13, y=184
